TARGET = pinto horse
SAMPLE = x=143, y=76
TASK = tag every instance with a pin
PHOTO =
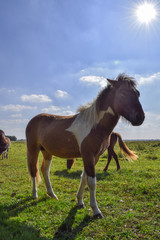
x=111, y=153
x=4, y=145
x=85, y=134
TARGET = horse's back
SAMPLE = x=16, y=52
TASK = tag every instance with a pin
x=47, y=122
x=49, y=132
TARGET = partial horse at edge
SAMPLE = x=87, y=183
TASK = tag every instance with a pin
x=4, y=145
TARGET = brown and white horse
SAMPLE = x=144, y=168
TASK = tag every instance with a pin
x=4, y=145
x=111, y=153
x=85, y=135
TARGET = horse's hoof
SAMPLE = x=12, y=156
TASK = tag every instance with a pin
x=98, y=215
x=52, y=195
x=80, y=206
x=35, y=196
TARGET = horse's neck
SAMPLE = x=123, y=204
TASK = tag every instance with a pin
x=108, y=123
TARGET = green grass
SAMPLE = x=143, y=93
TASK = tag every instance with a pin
x=129, y=199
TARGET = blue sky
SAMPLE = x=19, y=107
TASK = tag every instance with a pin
x=56, y=54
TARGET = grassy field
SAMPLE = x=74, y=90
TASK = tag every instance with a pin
x=129, y=199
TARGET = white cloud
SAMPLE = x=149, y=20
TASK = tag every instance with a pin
x=51, y=109
x=7, y=90
x=94, y=80
x=33, y=98
x=61, y=94
x=16, y=108
x=13, y=121
x=144, y=80
x=148, y=130
x=66, y=113
x=18, y=115
x=59, y=111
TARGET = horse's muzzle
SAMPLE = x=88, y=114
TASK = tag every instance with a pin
x=137, y=119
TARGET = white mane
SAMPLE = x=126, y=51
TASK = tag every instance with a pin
x=88, y=113
x=85, y=121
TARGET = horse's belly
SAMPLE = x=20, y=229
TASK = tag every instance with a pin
x=64, y=146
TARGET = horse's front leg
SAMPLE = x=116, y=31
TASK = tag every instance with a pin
x=91, y=182
x=89, y=166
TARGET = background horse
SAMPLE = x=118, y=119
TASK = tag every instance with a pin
x=85, y=134
x=4, y=145
x=111, y=153
x=124, y=149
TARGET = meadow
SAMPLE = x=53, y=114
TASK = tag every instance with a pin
x=129, y=198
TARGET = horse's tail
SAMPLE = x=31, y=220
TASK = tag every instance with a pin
x=33, y=167
x=124, y=149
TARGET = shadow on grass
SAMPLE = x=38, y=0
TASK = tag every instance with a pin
x=69, y=174
x=66, y=231
x=11, y=227
x=77, y=174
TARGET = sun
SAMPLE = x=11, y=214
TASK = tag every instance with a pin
x=146, y=12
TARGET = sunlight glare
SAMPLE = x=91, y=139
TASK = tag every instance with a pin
x=146, y=12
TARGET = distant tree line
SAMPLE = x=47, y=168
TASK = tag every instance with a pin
x=12, y=138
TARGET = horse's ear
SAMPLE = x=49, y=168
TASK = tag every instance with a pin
x=114, y=83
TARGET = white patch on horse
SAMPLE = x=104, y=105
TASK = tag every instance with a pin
x=85, y=121
x=109, y=110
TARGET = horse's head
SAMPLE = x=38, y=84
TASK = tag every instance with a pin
x=126, y=101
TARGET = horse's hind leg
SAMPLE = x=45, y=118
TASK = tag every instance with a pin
x=116, y=159
x=80, y=192
x=45, y=168
x=7, y=154
x=109, y=160
x=32, y=158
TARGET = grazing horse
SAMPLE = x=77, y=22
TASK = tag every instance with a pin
x=4, y=145
x=111, y=153
x=85, y=134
